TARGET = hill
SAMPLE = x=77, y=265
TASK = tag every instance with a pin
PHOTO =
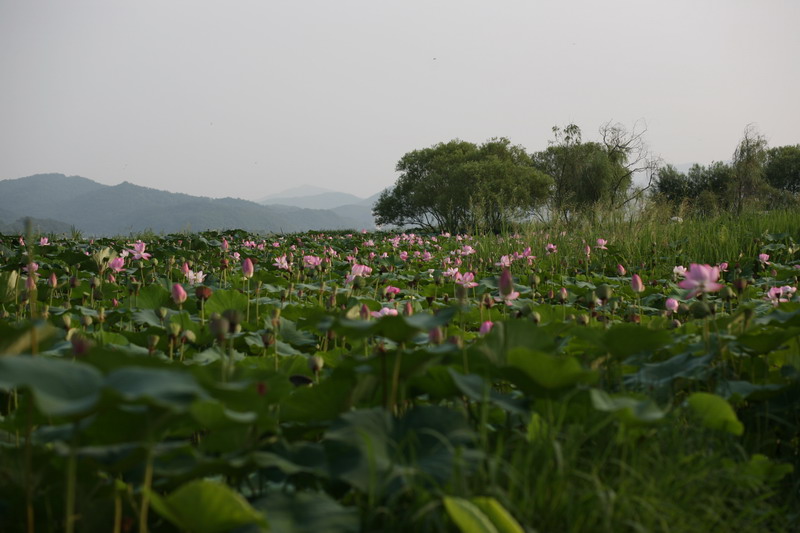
x=97, y=209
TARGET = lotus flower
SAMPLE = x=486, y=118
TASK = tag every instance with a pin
x=117, y=264
x=601, y=244
x=385, y=311
x=138, y=251
x=551, y=248
x=700, y=279
x=671, y=305
x=486, y=327
x=779, y=295
x=467, y=280
x=636, y=283
x=621, y=270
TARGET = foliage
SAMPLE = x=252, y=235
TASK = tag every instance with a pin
x=459, y=186
x=782, y=168
x=366, y=393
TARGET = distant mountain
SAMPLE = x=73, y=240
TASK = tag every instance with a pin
x=98, y=209
x=295, y=192
x=328, y=200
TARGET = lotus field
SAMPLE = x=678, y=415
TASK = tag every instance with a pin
x=334, y=382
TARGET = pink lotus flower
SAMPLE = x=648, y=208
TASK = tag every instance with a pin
x=587, y=250
x=620, y=270
x=601, y=244
x=671, y=305
x=225, y=246
x=505, y=261
x=764, y=258
x=53, y=280
x=486, y=327
x=178, y=293
x=311, y=261
x=247, y=268
x=138, y=251
x=117, y=264
x=551, y=248
x=44, y=241
x=450, y=272
x=506, y=284
x=679, y=271
x=700, y=279
x=185, y=269
x=779, y=295
x=32, y=268
x=467, y=280
x=385, y=311
x=391, y=291
x=723, y=267
x=636, y=283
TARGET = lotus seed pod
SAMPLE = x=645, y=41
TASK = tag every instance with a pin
x=174, y=330
x=202, y=293
x=234, y=318
x=727, y=294
x=189, y=336
x=583, y=320
x=536, y=317
x=700, y=309
x=66, y=319
x=219, y=327
x=161, y=313
x=86, y=321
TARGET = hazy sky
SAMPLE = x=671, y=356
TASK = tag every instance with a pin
x=247, y=98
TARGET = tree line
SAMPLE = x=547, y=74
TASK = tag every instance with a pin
x=460, y=186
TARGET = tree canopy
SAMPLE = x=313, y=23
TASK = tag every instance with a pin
x=459, y=186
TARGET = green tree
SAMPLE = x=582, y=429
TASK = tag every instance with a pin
x=782, y=168
x=587, y=173
x=459, y=186
x=671, y=185
x=748, y=169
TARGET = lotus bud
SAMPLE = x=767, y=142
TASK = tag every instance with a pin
x=161, y=313
x=53, y=280
x=727, y=294
x=621, y=270
x=247, y=268
x=671, y=305
x=86, y=321
x=178, y=293
x=506, y=282
x=152, y=343
x=219, y=327
x=30, y=282
x=435, y=336
x=408, y=309
x=740, y=285
x=363, y=313
x=583, y=320
x=636, y=283
x=675, y=324
x=563, y=295
x=315, y=363
x=174, y=330
x=101, y=315
x=66, y=319
x=536, y=317
x=73, y=282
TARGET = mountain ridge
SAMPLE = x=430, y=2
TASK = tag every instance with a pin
x=99, y=209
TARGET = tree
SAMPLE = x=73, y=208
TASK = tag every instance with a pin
x=748, y=168
x=782, y=168
x=671, y=185
x=586, y=174
x=459, y=186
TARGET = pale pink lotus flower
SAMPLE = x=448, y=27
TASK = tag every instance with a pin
x=117, y=264
x=247, y=268
x=467, y=280
x=44, y=241
x=403, y=255
x=225, y=245
x=53, y=280
x=385, y=311
x=723, y=267
x=178, y=293
x=601, y=244
x=282, y=263
x=185, y=269
x=486, y=327
x=671, y=305
x=467, y=250
x=551, y=248
x=779, y=295
x=21, y=241
x=31, y=268
x=236, y=256
x=138, y=251
x=112, y=278
x=700, y=279
x=450, y=272
x=621, y=270
x=563, y=294
x=764, y=258
x=196, y=277
x=636, y=283
x=505, y=261
x=679, y=271
x=427, y=256
x=587, y=250
x=506, y=284
x=360, y=270
x=311, y=261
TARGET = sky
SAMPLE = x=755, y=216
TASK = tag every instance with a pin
x=248, y=98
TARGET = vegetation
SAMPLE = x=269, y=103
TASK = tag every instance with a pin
x=566, y=379
x=458, y=186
